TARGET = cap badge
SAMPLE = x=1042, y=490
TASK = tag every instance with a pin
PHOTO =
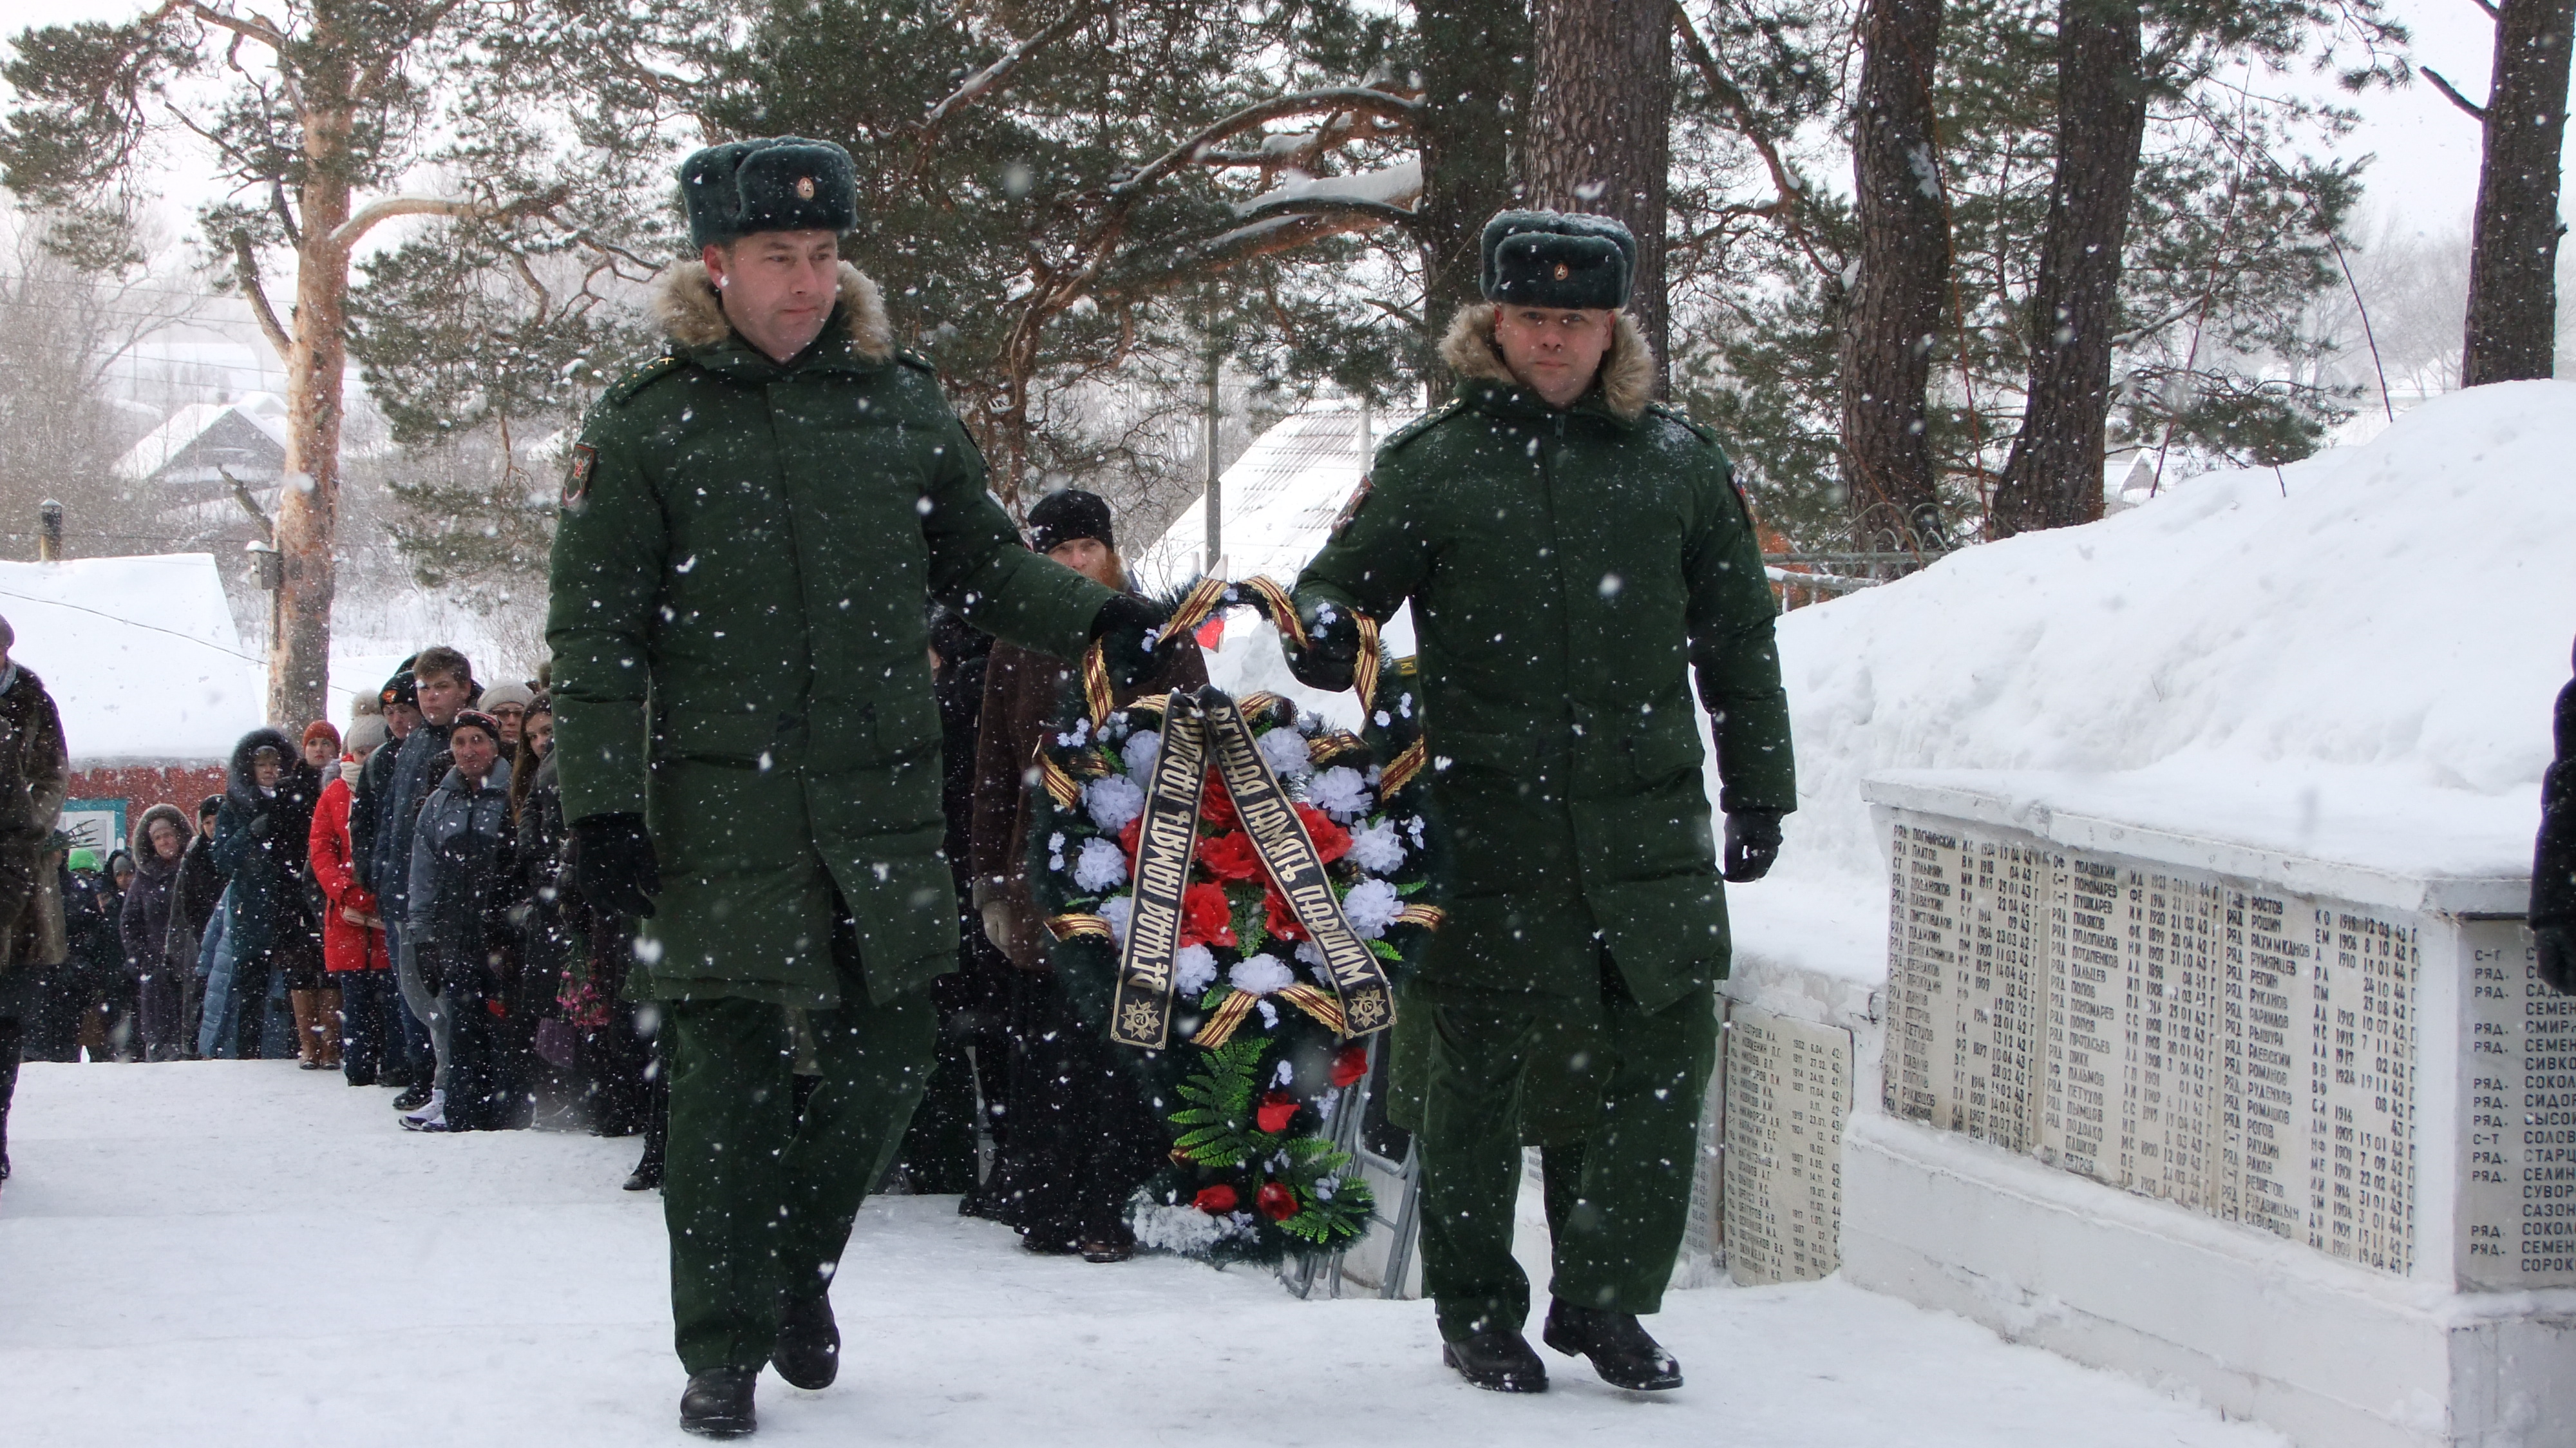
x=805, y=187
x=1563, y=271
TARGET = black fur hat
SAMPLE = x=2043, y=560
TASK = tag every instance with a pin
x=1064, y=516
x=1557, y=259
x=782, y=183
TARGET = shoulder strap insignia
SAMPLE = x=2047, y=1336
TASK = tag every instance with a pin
x=625, y=388
x=1420, y=425
x=915, y=361
x=1672, y=414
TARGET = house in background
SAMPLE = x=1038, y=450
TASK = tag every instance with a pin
x=197, y=467
x=142, y=658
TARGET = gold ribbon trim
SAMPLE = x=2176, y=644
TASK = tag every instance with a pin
x=1095, y=683
x=1232, y=1011
x=1078, y=927
x=1426, y=916
x=1060, y=784
x=1401, y=772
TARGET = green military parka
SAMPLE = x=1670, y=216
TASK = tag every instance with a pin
x=1568, y=571
x=740, y=653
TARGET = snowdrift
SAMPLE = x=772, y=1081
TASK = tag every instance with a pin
x=140, y=655
x=2352, y=657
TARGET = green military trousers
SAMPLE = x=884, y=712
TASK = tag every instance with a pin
x=1621, y=1139
x=759, y=1199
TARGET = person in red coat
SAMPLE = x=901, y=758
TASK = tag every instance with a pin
x=353, y=935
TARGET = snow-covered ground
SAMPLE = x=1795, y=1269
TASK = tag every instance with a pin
x=239, y=1253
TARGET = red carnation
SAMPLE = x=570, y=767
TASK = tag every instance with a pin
x=1127, y=838
x=1278, y=919
x=1231, y=857
x=1275, y=1201
x=1206, y=916
x=1275, y=1112
x=1216, y=1200
x=1350, y=1065
x=1331, y=840
x=1216, y=806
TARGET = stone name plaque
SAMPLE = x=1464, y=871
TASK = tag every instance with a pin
x=1788, y=1094
x=2230, y=1047
x=2518, y=1117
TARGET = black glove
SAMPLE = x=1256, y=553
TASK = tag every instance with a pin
x=613, y=864
x=1331, y=658
x=261, y=826
x=1752, y=843
x=1125, y=628
x=2557, y=945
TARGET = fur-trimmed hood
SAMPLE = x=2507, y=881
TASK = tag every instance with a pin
x=685, y=304
x=1627, y=370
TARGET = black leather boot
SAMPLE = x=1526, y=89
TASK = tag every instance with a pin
x=808, y=1351
x=1620, y=1350
x=717, y=1403
x=1497, y=1360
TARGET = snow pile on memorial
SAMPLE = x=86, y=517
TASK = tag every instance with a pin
x=140, y=655
x=2353, y=657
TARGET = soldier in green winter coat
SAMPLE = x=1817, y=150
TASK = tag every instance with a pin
x=748, y=745
x=1573, y=553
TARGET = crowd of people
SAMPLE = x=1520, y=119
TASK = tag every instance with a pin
x=393, y=901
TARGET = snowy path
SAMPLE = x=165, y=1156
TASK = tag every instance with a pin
x=241, y=1253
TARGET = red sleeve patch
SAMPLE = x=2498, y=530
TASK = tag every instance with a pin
x=577, y=477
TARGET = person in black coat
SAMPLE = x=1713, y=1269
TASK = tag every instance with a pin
x=971, y=1077
x=199, y=889
x=2553, y=863
x=143, y=928
x=262, y=833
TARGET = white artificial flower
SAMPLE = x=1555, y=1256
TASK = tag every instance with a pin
x=1080, y=736
x=1371, y=907
x=1142, y=747
x=1113, y=801
x=1115, y=910
x=1287, y=752
x=1377, y=849
x=1261, y=974
x=1311, y=953
x=1101, y=866
x=1339, y=792
x=1193, y=970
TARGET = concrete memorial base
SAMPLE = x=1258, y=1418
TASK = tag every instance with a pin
x=2297, y=1134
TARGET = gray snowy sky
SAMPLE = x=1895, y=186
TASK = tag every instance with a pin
x=2424, y=177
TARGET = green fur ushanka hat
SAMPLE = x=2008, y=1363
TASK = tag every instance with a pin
x=1557, y=259
x=782, y=183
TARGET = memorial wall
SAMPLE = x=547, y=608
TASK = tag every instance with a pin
x=2229, y=1046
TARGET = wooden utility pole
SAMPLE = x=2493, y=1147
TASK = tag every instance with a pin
x=1892, y=317
x=1599, y=137
x=1215, y=421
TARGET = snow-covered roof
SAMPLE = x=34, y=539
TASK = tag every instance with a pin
x=204, y=440
x=140, y=655
x=1279, y=499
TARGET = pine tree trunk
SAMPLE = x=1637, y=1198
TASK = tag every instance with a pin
x=1892, y=318
x=1599, y=137
x=1474, y=79
x=308, y=507
x=2513, y=260
x=2054, y=476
